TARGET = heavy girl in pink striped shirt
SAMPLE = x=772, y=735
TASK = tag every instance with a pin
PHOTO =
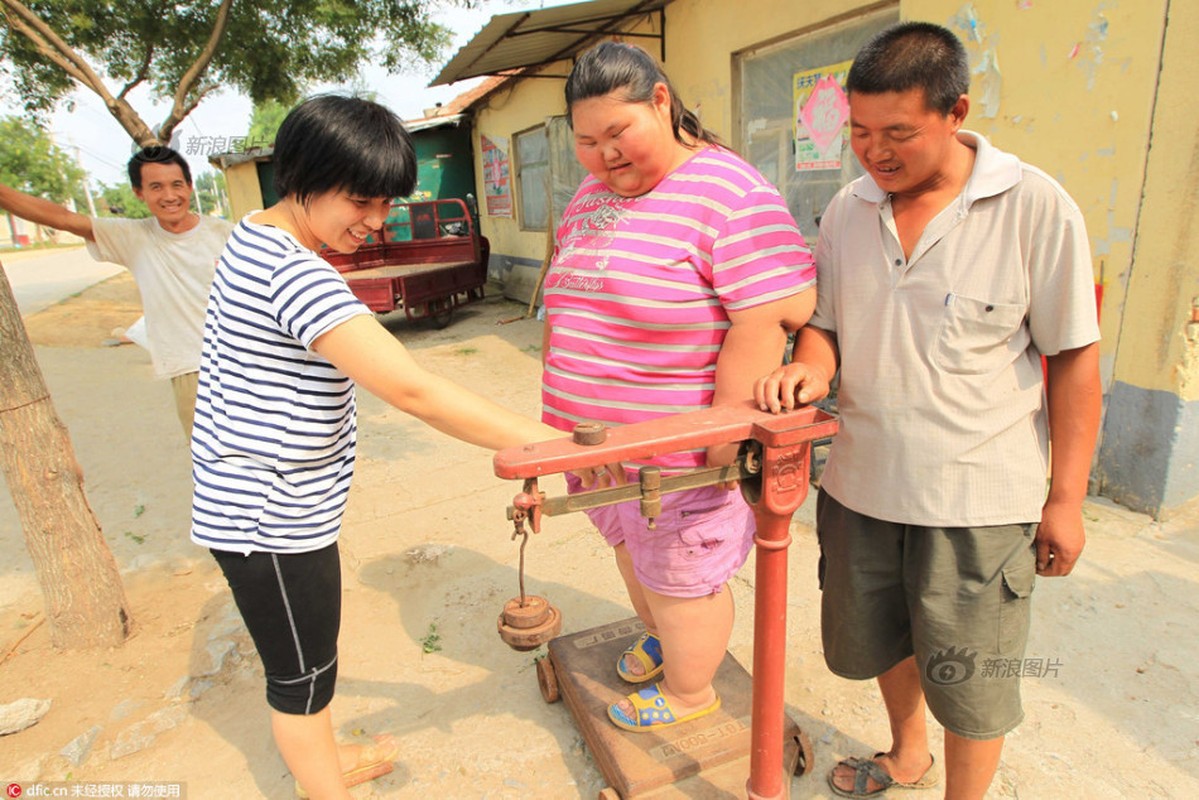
x=677, y=275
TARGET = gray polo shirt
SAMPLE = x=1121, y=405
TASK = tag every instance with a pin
x=943, y=419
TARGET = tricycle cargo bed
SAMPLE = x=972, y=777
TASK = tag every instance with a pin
x=428, y=259
x=432, y=290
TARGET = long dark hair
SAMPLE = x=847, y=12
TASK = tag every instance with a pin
x=612, y=66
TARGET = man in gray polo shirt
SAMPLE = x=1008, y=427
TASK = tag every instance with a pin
x=944, y=274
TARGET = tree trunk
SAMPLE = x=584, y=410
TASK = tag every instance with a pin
x=85, y=601
x=133, y=124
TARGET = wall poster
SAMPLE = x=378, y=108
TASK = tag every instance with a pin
x=821, y=116
x=497, y=185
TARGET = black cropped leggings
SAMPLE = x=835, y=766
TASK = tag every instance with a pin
x=291, y=604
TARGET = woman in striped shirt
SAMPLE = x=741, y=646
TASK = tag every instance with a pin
x=677, y=276
x=285, y=343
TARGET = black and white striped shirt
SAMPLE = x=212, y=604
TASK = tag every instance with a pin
x=274, y=435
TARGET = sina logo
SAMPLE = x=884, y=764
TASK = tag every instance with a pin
x=950, y=667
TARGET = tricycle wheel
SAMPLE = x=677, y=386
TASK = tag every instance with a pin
x=441, y=314
x=806, y=758
x=547, y=680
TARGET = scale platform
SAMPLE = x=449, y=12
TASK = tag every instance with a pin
x=705, y=759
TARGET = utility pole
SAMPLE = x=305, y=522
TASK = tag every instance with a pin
x=196, y=194
x=87, y=189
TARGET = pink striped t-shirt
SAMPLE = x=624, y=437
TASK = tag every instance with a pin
x=639, y=290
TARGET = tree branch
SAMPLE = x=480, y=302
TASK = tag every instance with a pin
x=53, y=48
x=51, y=45
x=142, y=72
x=164, y=133
x=181, y=107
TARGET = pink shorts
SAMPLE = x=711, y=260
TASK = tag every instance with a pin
x=700, y=541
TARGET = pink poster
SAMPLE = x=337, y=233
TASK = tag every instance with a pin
x=821, y=117
x=497, y=187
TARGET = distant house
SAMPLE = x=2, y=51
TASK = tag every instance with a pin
x=443, y=142
x=17, y=232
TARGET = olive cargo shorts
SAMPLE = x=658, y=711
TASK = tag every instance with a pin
x=955, y=598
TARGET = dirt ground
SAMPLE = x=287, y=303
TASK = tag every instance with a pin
x=1112, y=709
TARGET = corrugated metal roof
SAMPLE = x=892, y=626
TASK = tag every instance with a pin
x=225, y=160
x=433, y=122
x=542, y=36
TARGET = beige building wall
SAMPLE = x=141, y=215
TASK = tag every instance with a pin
x=1163, y=292
x=1149, y=456
x=245, y=192
x=514, y=108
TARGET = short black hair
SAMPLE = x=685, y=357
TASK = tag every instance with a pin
x=156, y=154
x=913, y=55
x=331, y=142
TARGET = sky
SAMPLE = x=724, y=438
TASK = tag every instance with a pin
x=103, y=147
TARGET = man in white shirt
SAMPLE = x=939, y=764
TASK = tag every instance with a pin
x=172, y=257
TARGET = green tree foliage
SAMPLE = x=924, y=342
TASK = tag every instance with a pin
x=32, y=163
x=119, y=200
x=265, y=121
x=185, y=50
x=211, y=193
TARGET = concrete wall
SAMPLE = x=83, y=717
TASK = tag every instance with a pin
x=1151, y=431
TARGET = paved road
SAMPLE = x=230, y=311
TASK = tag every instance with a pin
x=43, y=278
